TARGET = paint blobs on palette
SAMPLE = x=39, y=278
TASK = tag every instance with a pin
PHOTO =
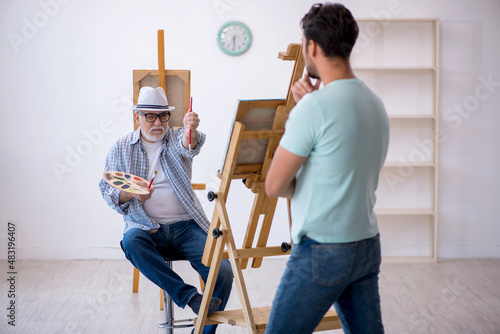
x=126, y=182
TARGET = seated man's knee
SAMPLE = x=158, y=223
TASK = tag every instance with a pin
x=132, y=239
x=225, y=272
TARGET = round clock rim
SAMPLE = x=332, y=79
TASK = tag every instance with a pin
x=247, y=44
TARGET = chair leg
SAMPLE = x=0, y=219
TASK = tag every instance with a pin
x=169, y=323
x=168, y=309
x=161, y=299
x=167, y=306
x=202, y=284
x=135, y=285
x=169, y=315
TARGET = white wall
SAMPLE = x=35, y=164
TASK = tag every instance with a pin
x=66, y=85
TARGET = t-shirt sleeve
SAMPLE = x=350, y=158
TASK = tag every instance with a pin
x=303, y=127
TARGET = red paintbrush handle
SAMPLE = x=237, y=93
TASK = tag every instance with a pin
x=190, y=109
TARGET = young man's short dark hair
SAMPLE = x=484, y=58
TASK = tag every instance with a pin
x=332, y=27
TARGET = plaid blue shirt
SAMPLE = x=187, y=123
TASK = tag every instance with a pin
x=127, y=155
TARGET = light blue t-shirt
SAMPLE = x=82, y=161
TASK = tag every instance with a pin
x=343, y=130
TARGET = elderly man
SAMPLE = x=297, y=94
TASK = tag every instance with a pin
x=169, y=218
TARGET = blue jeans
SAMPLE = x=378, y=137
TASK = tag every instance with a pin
x=145, y=250
x=319, y=275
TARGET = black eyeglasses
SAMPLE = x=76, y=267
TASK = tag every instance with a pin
x=151, y=118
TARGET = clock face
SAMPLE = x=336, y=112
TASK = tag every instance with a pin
x=234, y=38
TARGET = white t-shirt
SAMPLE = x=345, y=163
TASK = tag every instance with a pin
x=163, y=206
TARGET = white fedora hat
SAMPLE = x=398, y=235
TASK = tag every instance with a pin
x=152, y=99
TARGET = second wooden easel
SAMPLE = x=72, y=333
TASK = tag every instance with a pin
x=250, y=132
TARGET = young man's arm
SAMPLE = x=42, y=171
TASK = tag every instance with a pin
x=280, y=180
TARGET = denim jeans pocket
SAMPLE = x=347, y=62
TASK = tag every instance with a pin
x=332, y=263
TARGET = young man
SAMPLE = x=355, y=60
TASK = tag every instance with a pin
x=328, y=163
x=170, y=217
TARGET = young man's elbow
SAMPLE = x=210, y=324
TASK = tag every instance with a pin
x=271, y=189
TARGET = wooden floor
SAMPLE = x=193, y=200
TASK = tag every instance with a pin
x=95, y=296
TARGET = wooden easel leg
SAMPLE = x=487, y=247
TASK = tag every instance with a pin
x=220, y=206
x=232, y=152
x=258, y=203
x=226, y=238
x=211, y=280
x=270, y=208
x=210, y=243
x=242, y=290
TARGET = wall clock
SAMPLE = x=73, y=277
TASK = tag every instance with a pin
x=234, y=38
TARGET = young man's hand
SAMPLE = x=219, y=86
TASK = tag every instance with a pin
x=304, y=86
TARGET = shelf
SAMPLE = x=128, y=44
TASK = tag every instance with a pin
x=405, y=212
x=409, y=164
x=412, y=116
x=397, y=20
x=403, y=68
x=399, y=59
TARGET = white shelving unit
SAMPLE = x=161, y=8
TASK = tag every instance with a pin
x=399, y=60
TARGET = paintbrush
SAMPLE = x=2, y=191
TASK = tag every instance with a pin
x=190, y=110
x=150, y=183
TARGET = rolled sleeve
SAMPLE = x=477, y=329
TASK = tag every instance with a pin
x=112, y=197
x=110, y=194
x=194, y=150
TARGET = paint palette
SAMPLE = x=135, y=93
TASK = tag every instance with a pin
x=126, y=182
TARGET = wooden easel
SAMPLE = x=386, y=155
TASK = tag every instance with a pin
x=175, y=83
x=253, y=171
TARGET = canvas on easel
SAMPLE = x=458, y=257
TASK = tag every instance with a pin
x=256, y=130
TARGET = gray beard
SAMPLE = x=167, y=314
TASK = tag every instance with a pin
x=155, y=138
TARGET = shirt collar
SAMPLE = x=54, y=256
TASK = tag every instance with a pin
x=136, y=136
